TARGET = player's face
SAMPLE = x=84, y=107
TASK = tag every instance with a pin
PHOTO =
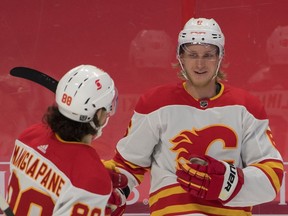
x=200, y=63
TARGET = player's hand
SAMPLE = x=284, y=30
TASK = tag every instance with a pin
x=119, y=180
x=210, y=179
x=116, y=203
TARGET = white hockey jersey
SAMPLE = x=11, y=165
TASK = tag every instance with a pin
x=168, y=124
x=52, y=177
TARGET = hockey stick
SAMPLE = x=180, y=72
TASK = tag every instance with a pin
x=43, y=80
x=5, y=207
x=35, y=76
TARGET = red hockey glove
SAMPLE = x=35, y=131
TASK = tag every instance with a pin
x=210, y=179
x=117, y=201
x=119, y=180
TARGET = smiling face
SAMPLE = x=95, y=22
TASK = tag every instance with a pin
x=200, y=62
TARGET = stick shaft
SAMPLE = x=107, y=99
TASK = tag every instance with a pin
x=35, y=76
x=5, y=207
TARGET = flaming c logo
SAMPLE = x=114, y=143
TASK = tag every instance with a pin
x=198, y=141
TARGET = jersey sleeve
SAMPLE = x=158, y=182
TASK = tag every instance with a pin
x=135, y=149
x=262, y=163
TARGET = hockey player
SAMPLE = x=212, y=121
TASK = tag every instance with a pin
x=269, y=85
x=207, y=145
x=54, y=169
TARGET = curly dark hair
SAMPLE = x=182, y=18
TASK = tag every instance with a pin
x=67, y=129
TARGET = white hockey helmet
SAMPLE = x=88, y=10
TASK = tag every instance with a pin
x=83, y=90
x=277, y=46
x=202, y=31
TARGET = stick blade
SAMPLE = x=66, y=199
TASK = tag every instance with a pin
x=35, y=76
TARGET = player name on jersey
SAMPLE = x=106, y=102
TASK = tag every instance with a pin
x=35, y=167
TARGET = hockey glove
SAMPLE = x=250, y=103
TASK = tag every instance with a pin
x=119, y=180
x=117, y=201
x=210, y=179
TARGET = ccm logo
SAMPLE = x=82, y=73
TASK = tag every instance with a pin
x=200, y=33
x=231, y=178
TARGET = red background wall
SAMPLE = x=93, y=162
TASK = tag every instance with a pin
x=135, y=41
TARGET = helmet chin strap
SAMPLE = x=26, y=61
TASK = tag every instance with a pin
x=183, y=71
x=98, y=129
x=217, y=70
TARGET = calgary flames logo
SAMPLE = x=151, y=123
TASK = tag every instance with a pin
x=199, y=141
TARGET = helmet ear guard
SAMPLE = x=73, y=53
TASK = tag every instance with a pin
x=83, y=90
